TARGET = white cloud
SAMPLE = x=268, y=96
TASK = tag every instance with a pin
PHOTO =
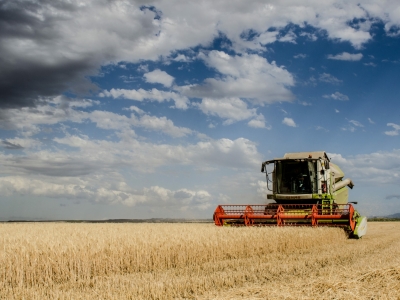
x=321, y=128
x=21, y=143
x=370, y=64
x=378, y=168
x=143, y=68
x=30, y=121
x=370, y=121
x=158, y=76
x=353, y=127
x=289, y=122
x=262, y=188
x=356, y=123
x=161, y=124
x=247, y=76
x=181, y=102
x=27, y=120
x=393, y=132
x=96, y=34
x=337, y=96
x=182, y=58
x=135, y=109
x=109, y=120
x=349, y=128
x=258, y=122
x=300, y=55
x=346, y=56
x=267, y=37
x=328, y=78
x=93, y=156
x=310, y=36
x=239, y=153
x=230, y=109
x=222, y=198
x=99, y=189
x=289, y=37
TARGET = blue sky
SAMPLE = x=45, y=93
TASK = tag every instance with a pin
x=120, y=110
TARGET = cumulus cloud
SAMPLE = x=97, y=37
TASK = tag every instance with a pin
x=378, y=168
x=27, y=120
x=161, y=124
x=258, y=122
x=109, y=120
x=230, y=109
x=337, y=96
x=395, y=131
x=92, y=156
x=289, y=37
x=158, y=76
x=247, y=76
x=328, y=78
x=262, y=188
x=346, y=56
x=135, y=109
x=103, y=191
x=44, y=54
x=182, y=58
x=10, y=146
x=181, y=102
x=309, y=36
x=289, y=122
x=21, y=143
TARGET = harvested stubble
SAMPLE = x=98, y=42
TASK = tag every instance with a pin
x=173, y=261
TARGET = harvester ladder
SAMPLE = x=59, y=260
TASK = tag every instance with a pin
x=327, y=206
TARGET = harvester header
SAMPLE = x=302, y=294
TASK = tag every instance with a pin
x=308, y=190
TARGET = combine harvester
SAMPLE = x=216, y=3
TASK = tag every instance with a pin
x=308, y=190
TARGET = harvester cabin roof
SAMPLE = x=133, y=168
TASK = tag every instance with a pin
x=315, y=155
x=304, y=155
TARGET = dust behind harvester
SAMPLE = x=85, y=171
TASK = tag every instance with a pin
x=308, y=190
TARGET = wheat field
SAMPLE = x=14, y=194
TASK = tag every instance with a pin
x=196, y=261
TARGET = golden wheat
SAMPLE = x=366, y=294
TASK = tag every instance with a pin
x=173, y=261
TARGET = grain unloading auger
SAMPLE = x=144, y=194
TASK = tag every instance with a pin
x=308, y=190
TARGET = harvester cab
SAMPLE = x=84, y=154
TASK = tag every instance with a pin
x=308, y=190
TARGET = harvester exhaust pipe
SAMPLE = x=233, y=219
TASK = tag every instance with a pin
x=343, y=183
